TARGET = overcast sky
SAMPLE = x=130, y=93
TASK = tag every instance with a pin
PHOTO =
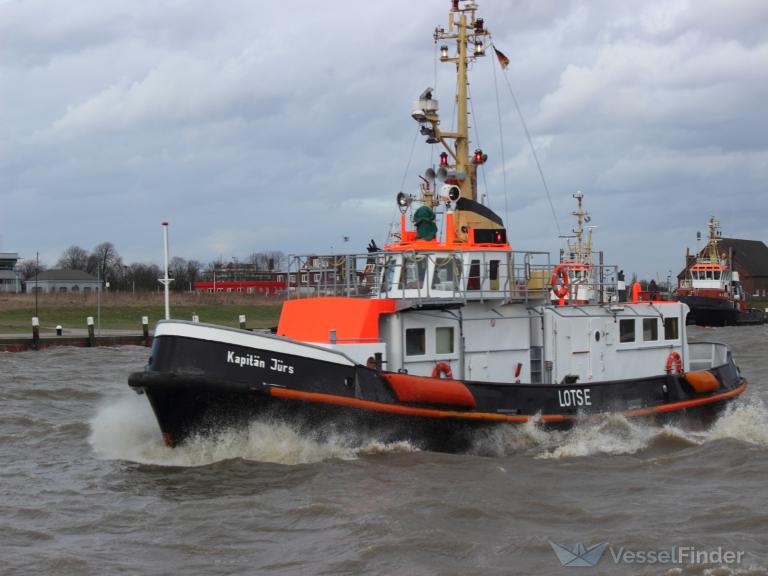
x=286, y=125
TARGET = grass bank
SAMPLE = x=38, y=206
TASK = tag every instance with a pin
x=124, y=311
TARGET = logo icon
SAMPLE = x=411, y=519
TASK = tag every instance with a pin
x=578, y=554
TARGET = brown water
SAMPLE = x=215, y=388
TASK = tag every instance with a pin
x=89, y=488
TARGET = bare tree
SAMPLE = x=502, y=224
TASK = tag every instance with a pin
x=142, y=277
x=177, y=269
x=29, y=269
x=268, y=260
x=193, y=271
x=104, y=259
x=73, y=258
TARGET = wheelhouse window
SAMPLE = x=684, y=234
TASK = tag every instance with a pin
x=444, y=340
x=415, y=342
x=627, y=330
x=473, y=279
x=447, y=273
x=493, y=274
x=650, y=329
x=389, y=275
x=414, y=270
x=671, y=329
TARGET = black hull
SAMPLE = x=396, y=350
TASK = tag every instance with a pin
x=198, y=386
x=751, y=316
x=718, y=312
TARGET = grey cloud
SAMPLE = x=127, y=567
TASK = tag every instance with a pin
x=287, y=125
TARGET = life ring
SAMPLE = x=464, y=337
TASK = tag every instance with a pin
x=674, y=362
x=560, y=290
x=442, y=369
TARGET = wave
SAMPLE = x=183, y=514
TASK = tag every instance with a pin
x=125, y=429
x=614, y=434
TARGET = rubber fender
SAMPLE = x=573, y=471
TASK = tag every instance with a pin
x=702, y=381
x=423, y=390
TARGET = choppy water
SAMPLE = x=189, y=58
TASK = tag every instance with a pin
x=89, y=488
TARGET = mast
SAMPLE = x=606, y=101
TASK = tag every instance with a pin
x=458, y=167
x=468, y=185
x=714, y=238
x=581, y=251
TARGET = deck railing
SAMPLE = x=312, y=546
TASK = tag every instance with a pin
x=429, y=277
x=705, y=355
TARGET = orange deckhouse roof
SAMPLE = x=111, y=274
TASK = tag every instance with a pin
x=707, y=266
x=409, y=241
x=434, y=245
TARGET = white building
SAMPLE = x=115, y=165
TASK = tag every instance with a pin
x=9, y=277
x=63, y=281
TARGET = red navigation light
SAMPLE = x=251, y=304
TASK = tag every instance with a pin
x=455, y=7
x=498, y=237
x=443, y=159
x=479, y=25
x=480, y=158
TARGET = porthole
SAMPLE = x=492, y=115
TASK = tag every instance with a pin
x=597, y=336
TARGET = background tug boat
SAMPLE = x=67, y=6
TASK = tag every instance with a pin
x=446, y=329
x=712, y=289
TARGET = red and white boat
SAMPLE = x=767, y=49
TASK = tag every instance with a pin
x=712, y=289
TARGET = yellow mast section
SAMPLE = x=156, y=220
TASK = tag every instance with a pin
x=714, y=238
x=466, y=29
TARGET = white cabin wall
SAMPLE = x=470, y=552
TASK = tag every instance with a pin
x=589, y=346
x=498, y=337
x=430, y=320
x=391, y=331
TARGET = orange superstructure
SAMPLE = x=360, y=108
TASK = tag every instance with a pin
x=350, y=319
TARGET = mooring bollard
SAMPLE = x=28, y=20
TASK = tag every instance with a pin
x=195, y=318
x=35, y=332
x=241, y=318
x=145, y=330
x=91, y=335
x=59, y=330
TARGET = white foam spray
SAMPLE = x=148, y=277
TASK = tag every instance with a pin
x=745, y=421
x=126, y=429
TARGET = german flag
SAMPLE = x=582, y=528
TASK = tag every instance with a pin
x=503, y=60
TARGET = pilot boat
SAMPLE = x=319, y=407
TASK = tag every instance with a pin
x=712, y=288
x=446, y=329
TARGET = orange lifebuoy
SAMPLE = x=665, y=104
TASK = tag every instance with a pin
x=674, y=362
x=442, y=369
x=560, y=290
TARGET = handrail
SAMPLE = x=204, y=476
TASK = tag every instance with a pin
x=430, y=277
